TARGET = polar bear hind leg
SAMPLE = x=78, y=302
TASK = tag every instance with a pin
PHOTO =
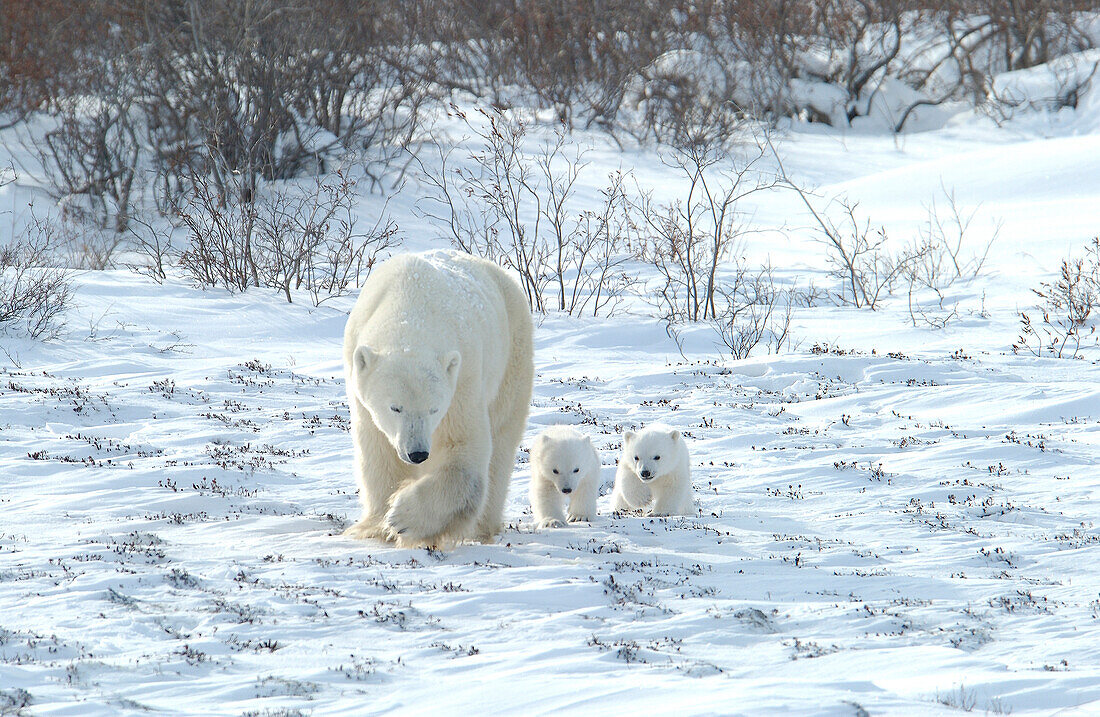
x=508, y=413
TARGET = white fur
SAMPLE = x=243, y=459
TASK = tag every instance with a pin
x=662, y=452
x=438, y=360
x=563, y=459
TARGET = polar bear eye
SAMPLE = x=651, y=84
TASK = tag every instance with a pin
x=656, y=458
x=635, y=457
x=575, y=470
x=395, y=409
x=555, y=471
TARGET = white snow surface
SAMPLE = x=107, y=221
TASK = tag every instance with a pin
x=901, y=521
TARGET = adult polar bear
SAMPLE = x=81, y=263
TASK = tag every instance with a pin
x=439, y=364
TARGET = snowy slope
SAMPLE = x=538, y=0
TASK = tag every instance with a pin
x=892, y=519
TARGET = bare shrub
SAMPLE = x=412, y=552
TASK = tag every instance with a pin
x=870, y=36
x=961, y=698
x=449, y=204
x=43, y=44
x=8, y=175
x=261, y=89
x=835, y=60
x=824, y=61
x=466, y=37
x=860, y=257
x=221, y=232
x=599, y=249
x=753, y=311
x=759, y=46
x=858, y=252
x=310, y=242
x=574, y=58
x=75, y=243
x=689, y=238
x=1025, y=34
x=681, y=99
x=367, y=86
x=584, y=255
x=271, y=89
x=983, y=38
x=1067, y=313
x=151, y=248
x=692, y=240
x=809, y=296
x=577, y=57
x=90, y=247
x=1065, y=79
x=504, y=181
x=943, y=258
x=33, y=291
x=516, y=208
x=274, y=87
x=291, y=239
x=90, y=155
x=91, y=163
x=946, y=231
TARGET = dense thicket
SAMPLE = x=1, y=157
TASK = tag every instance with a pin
x=161, y=93
x=205, y=107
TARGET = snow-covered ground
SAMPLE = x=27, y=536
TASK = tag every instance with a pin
x=892, y=519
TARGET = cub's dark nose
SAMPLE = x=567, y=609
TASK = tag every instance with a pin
x=645, y=474
x=566, y=490
x=418, y=456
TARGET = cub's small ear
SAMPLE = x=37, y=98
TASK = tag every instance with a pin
x=364, y=359
x=628, y=437
x=674, y=435
x=451, y=363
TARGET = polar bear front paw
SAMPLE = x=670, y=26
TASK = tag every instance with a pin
x=365, y=529
x=550, y=523
x=405, y=521
x=580, y=518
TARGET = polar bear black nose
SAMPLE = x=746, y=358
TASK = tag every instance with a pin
x=418, y=456
x=566, y=490
x=646, y=474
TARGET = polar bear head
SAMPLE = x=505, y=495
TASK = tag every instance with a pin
x=651, y=453
x=407, y=394
x=560, y=458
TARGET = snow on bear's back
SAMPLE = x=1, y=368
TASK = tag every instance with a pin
x=416, y=288
x=451, y=274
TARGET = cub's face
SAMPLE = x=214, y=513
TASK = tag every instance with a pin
x=559, y=461
x=406, y=395
x=650, y=453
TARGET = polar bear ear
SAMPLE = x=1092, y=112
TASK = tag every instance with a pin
x=451, y=363
x=628, y=437
x=674, y=435
x=364, y=359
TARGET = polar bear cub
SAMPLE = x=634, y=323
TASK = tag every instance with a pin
x=563, y=463
x=654, y=471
